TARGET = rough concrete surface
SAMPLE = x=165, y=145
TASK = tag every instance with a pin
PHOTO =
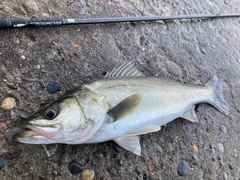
x=191, y=51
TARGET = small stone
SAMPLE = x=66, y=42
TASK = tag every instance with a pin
x=204, y=137
x=83, y=3
x=53, y=87
x=23, y=57
x=234, y=153
x=31, y=6
x=117, y=148
x=223, y=129
x=149, y=166
x=154, y=149
x=8, y=103
x=230, y=166
x=183, y=168
x=174, y=69
x=87, y=174
x=16, y=40
x=120, y=162
x=214, y=158
x=127, y=154
x=50, y=149
x=225, y=176
x=192, y=128
x=75, y=167
x=3, y=125
x=195, y=157
x=220, y=147
x=23, y=115
x=2, y=163
x=138, y=170
x=98, y=154
x=220, y=158
x=45, y=15
x=144, y=41
x=201, y=174
x=14, y=153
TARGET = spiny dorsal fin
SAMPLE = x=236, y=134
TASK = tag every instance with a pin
x=190, y=115
x=126, y=69
x=130, y=143
x=126, y=107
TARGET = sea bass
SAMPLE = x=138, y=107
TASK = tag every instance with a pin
x=119, y=107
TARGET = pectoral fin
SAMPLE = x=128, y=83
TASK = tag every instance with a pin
x=190, y=115
x=126, y=107
x=130, y=143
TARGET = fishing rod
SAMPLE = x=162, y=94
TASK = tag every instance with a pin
x=6, y=24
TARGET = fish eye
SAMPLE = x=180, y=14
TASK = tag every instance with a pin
x=50, y=113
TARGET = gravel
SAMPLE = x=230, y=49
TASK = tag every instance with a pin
x=75, y=167
x=53, y=86
x=223, y=129
x=183, y=168
x=2, y=163
x=138, y=170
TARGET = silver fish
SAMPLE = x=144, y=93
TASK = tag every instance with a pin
x=119, y=107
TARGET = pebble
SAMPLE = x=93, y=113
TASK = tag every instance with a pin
x=23, y=115
x=144, y=41
x=204, y=137
x=223, y=129
x=98, y=154
x=50, y=149
x=220, y=147
x=138, y=170
x=174, y=69
x=8, y=103
x=230, y=166
x=235, y=153
x=220, y=158
x=82, y=3
x=3, y=125
x=225, y=176
x=117, y=148
x=195, y=157
x=46, y=15
x=154, y=149
x=183, y=168
x=75, y=167
x=149, y=166
x=127, y=154
x=87, y=174
x=192, y=128
x=14, y=153
x=23, y=57
x=31, y=6
x=2, y=163
x=53, y=86
x=16, y=40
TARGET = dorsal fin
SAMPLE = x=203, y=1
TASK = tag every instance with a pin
x=126, y=69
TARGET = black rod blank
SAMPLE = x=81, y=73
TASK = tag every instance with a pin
x=5, y=24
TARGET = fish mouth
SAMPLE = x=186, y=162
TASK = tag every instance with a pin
x=32, y=131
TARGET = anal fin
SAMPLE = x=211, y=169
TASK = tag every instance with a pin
x=190, y=115
x=130, y=143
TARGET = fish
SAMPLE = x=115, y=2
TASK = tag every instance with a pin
x=119, y=107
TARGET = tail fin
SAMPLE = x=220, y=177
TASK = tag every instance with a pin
x=216, y=85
